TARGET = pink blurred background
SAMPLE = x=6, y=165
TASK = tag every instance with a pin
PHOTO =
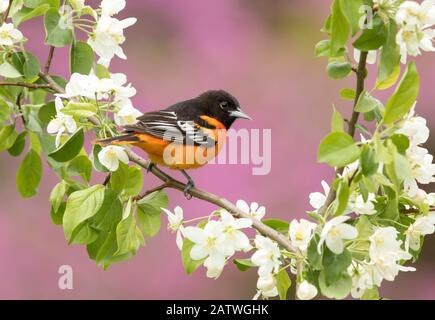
x=262, y=52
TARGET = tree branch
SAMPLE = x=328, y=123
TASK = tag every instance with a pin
x=26, y=85
x=49, y=59
x=171, y=182
x=360, y=77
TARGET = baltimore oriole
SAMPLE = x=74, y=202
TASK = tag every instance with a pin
x=185, y=135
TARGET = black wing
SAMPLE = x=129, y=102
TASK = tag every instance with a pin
x=167, y=125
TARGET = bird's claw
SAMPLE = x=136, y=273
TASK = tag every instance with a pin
x=187, y=188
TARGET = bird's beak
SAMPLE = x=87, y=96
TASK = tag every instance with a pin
x=239, y=114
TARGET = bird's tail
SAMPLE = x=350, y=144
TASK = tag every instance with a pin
x=124, y=139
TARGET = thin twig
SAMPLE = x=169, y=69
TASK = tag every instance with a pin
x=6, y=14
x=194, y=192
x=161, y=187
x=18, y=102
x=26, y=85
x=49, y=59
x=107, y=179
x=361, y=75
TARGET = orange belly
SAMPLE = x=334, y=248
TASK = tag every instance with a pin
x=177, y=156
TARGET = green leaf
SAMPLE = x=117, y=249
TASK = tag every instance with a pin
x=338, y=69
x=322, y=48
x=81, y=206
x=335, y=265
x=368, y=160
x=367, y=103
x=81, y=58
x=57, y=195
x=5, y=111
x=283, y=283
x=8, y=135
x=277, y=224
x=389, y=65
x=337, y=290
x=26, y=64
x=59, y=33
x=401, y=142
x=342, y=198
x=84, y=234
x=127, y=180
x=338, y=150
x=80, y=166
x=128, y=235
x=57, y=216
x=243, y=264
x=70, y=149
x=37, y=3
x=46, y=113
x=189, y=265
x=351, y=10
x=97, y=165
x=348, y=94
x=402, y=167
x=390, y=81
x=337, y=122
x=80, y=109
x=103, y=249
x=25, y=14
x=8, y=71
x=314, y=258
x=149, y=212
x=372, y=38
x=340, y=28
x=29, y=175
x=371, y=294
x=404, y=97
x=18, y=145
x=102, y=72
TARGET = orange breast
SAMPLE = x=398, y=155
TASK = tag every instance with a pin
x=179, y=156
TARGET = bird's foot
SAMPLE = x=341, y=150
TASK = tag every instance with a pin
x=189, y=185
x=150, y=167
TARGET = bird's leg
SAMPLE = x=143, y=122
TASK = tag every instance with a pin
x=189, y=185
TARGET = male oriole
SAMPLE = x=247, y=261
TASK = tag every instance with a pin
x=185, y=135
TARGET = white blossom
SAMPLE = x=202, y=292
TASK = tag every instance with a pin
x=334, y=232
x=385, y=253
x=81, y=85
x=359, y=206
x=110, y=157
x=175, y=224
x=61, y=124
x=108, y=36
x=414, y=35
x=234, y=239
x=317, y=199
x=9, y=35
x=266, y=286
x=267, y=256
x=361, y=279
x=254, y=210
x=301, y=232
x=415, y=128
x=306, y=291
x=421, y=227
x=112, y=7
x=127, y=116
x=422, y=169
x=209, y=246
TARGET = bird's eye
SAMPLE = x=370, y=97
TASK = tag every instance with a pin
x=224, y=104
